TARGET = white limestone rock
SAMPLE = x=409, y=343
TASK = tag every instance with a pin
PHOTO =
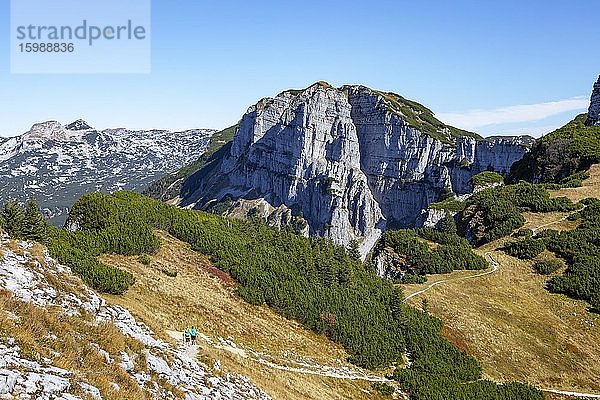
x=430, y=218
x=593, y=118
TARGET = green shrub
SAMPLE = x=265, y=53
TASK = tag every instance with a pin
x=383, y=388
x=525, y=249
x=523, y=233
x=590, y=201
x=169, y=273
x=577, y=177
x=453, y=253
x=580, y=248
x=487, y=178
x=251, y=295
x=450, y=205
x=576, y=216
x=104, y=278
x=432, y=386
x=145, y=259
x=547, y=267
x=448, y=225
x=496, y=212
x=411, y=278
x=562, y=156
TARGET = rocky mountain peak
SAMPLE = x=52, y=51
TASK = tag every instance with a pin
x=594, y=110
x=350, y=161
x=54, y=130
x=49, y=130
x=79, y=125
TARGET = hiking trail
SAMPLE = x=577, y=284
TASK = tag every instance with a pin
x=345, y=372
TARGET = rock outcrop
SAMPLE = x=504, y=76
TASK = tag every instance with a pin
x=593, y=118
x=431, y=218
x=351, y=161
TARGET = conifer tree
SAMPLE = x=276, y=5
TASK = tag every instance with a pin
x=353, y=250
x=447, y=224
x=35, y=227
x=14, y=219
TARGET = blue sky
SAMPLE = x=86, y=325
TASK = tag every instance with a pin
x=495, y=67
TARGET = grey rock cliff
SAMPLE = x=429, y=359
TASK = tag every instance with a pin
x=594, y=110
x=351, y=161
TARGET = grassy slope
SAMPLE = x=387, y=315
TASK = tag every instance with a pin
x=422, y=118
x=203, y=295
x=516, y=328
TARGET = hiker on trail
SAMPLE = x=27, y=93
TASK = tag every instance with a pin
x=187, y=335
x=193, y=334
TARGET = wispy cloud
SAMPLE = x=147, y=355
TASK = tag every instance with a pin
x=474, y=119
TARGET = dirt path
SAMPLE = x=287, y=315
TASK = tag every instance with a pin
x=572, y=394
x=304, y=368
x=537, y=228
x=493, y=263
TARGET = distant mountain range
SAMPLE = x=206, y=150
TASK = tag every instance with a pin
x=56, y=163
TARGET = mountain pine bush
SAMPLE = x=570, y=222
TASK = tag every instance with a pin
x=454, y=252
x=547, y=267
x=496, y=212
x=580, y=248
x=525, y=249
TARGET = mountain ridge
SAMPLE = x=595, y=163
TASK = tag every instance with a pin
x=57, y=163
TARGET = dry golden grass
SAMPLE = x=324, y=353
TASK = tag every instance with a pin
x=202, y=295
x=49, y=333
x=552, y=220
x=514, y=327
x=68, y=340
x=519, y=331
x=591, y=187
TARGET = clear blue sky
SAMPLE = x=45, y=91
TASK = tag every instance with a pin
x=211, y=60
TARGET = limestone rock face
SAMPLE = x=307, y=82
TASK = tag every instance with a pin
x=594, y=110
x=495, y=153
x=431, y=218
x=350, y=161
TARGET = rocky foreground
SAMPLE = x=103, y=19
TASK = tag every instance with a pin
x=155, y=367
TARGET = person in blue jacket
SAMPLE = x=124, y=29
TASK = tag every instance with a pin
x=187, y=335
x=193, y=334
